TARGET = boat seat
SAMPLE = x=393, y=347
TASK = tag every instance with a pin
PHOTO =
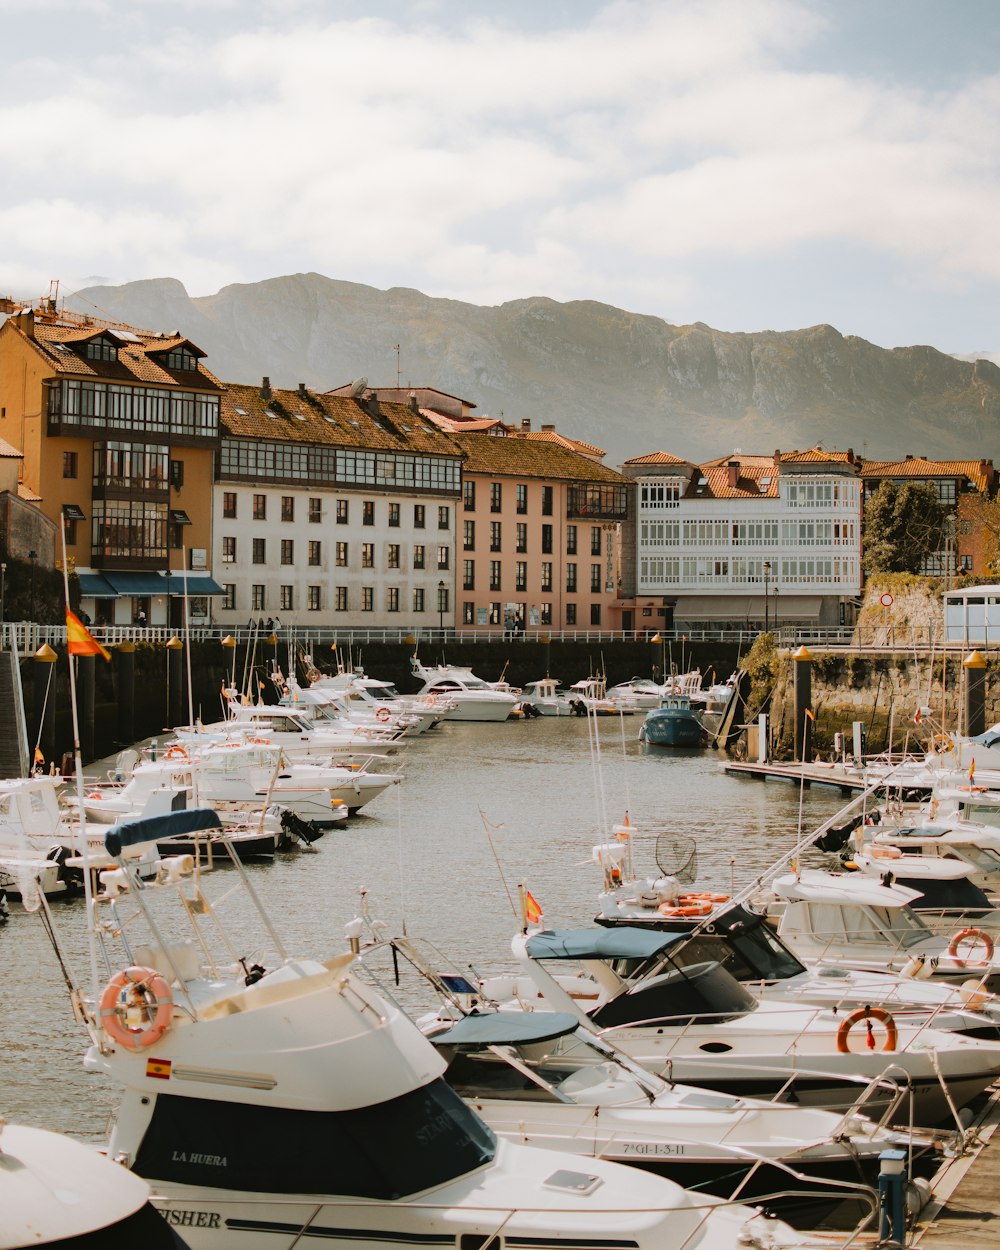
x=184, y=956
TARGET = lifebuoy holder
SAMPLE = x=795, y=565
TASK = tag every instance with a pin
x=866, y=1015
x=147, y=984
x=977, y=937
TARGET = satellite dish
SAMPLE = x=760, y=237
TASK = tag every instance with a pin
x=358, y=388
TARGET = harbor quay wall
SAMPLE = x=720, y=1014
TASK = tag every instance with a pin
x=211, y=665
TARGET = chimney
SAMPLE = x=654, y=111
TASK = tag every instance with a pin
x=777, y=457
x=850, y=455
x=412, y=401
x=548, y=429
x=526, y=425
x=909, y=456
x=371, y=403
x=303, y=393
x=265, y=389
x=732, y=472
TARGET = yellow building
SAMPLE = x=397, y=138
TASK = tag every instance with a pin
x=118, y=428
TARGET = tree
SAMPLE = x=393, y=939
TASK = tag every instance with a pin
x=904, y=524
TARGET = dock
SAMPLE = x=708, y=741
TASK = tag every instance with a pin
x=800, y=774
x=963, y=1213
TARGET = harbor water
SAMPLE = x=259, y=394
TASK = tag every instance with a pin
x=530, y=799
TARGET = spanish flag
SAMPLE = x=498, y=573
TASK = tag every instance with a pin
x=972, y=770
x=39, y=757
x=532, y=910
x=79, y=640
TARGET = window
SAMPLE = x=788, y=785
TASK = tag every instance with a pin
x=495, y=536
x=260, y=507
x=546, y=575
x=521, y=538
x=418, y=556
x=468, y=613
x=342, y=555
x=229, y=505
x=469, y=496
x=595, y=614
x=468, y=575
x=288, y=507
x=444, y=557
x=368, y=512
x=287, y=598
x=176, y=474
x=392, y=556
x=101, y=349
x=313, y=601
x=229, y=551
x=495, y=567
x=260, y=551
x=394, y=515
x=258, y=599
x=595, y=579
x=342, y=514
x=521, y=575
x=595, y=540
x=546, y=540
x=419, y=516
x=367, y=555
x=392, y=599
x=229, y=597
x=571, y=540
x=315, y=551
x=496, y=496
x=469, y=535
x=287, y=551
x=69, y=464
x=418, y=599
x=522, y=498
x=315, y=510
x=340, y=598
x=444, y=517
x=571, y=578
x=570, y=613
x=545, y=614
x=546, y=501
x=69, y=527
x=181, y=360
x=367, y=598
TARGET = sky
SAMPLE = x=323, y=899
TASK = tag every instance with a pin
x=752, y=164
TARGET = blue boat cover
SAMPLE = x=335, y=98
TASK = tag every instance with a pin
x=620, y=942
x=507, y=1028
x=157, y=828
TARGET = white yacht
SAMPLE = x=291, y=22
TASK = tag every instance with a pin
x=548, y=698
x=473, y=698
x=274, y=1098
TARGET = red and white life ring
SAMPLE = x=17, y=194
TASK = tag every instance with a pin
x=975, y=937
x=384, y=715
x=146, y=983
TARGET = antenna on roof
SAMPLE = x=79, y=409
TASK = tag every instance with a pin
x=358, y=388
x=396, y=350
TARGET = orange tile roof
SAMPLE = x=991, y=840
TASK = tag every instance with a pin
x=749, y=482
x=24, y=492
x=574, y=444
x=978, y=472
x=8, y=452
x=657, y=457
x=817, y=455
x=525, y=457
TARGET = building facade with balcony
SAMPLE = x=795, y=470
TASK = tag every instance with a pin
x=742, y=541
x=334, y=511
x=118, y=429
x=537, y=536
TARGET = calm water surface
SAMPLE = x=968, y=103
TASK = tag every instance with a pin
x=423, y=855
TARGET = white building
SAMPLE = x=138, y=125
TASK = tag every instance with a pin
x=745, y=540
x=333, y=511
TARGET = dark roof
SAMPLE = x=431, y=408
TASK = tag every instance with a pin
x=524, y=457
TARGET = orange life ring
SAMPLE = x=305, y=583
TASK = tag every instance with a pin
x=313, y=674
x=867, y=1014
x=977, y=937
x=384, y=715
x=705, y=896
x=885, y=852
x=685, y=909
x=146, y=981
x=177, y=753
x=255, y=741
x=974, y=789
x=95, y=794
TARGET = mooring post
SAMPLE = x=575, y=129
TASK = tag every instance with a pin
x=892, y=1196
x=126, y=692
x=975, y=693
x=803, y=704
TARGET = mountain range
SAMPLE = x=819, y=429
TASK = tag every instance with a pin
x=629, y=383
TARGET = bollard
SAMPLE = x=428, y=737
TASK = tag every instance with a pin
x=892, y=1195
x=803, y=704
x=126, y=692
x=975, y=694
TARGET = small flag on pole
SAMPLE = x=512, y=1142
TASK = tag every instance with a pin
x=39, y=757
x=532, y=911
x=972, y=770
x=79, y=639
x=810, y=714
x=918, y=716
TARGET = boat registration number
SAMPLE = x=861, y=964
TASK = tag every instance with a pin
x=653, y=1148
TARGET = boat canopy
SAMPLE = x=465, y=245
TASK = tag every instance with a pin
x=847, y=889
x=507, y=1028
x=621, y=942
x=989, y=739
x=159, y=828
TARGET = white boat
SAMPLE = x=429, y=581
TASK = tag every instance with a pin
x=55, y=1191
x=589, y=697
x=382, y=702
x=280, y=1099
x=473, y=698
x=548, y=698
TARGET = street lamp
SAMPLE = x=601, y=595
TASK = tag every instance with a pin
x=229, y=642
x=658, y=638
x=442, y=592
x=767, y=579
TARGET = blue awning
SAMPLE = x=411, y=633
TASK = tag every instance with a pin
x=507, y=1028
x=157, y=828
x=621, y=942
x=197, y=584
x=94, y=586
x=136, y=583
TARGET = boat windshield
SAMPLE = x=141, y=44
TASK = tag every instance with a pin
x=981, y=814
x=749, y=953
x=961, y=894
x=699, y=992
x=382, y=692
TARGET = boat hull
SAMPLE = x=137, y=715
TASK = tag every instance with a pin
x=671, y=729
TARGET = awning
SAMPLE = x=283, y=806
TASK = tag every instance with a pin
x=94, y=586
x=507, y=1028
x=197, y=584
x=732, y=607
x=621, y=942
x=136, y=583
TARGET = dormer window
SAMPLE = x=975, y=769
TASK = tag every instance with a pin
x=100, y=349
x=182, y=360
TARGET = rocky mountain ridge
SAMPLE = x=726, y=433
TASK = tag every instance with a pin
x=631, y=383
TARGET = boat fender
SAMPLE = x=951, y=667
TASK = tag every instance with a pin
x=142, y=983
x=975, y=937
x=867, y=1015
x=972, y=994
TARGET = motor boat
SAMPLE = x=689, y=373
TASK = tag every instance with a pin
x=280, y=1097
x=381, y=697
x=672, y=724
x=947, y=897
x=547, y=697
x=473, y=698
x=55, y=1191
x=589, y=697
